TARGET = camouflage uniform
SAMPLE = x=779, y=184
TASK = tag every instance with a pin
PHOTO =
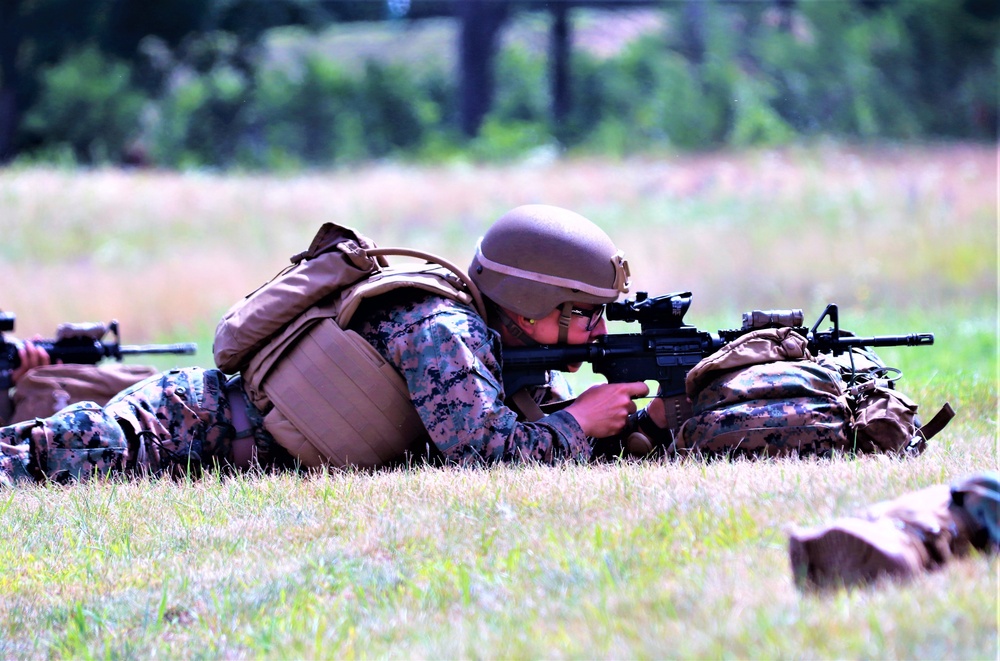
x=180, y=421
x=451, y=363
x=75, y=443
x=174, y=423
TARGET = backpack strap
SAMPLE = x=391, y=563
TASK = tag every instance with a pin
x=473, y=290
x=938, y=422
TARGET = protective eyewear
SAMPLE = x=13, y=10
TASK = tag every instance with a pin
x=592, y=315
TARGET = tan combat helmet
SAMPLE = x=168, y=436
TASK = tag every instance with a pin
x=536, y=258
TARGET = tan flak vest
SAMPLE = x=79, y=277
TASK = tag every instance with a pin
x=327, y=396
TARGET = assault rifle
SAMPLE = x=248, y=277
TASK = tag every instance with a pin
x=666, y=348
x=79, y=343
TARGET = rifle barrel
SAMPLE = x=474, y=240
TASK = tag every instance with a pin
x=183, y=348
x=911, y=340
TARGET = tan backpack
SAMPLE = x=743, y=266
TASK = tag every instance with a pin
x=885, y=420
x=327, y=396
x=335, y=259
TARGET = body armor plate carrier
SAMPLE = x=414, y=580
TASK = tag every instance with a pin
x=327, y=396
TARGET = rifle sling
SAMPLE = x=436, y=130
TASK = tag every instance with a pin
x=677, y=409
x=525, y=404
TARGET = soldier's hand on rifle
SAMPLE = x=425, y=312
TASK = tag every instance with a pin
x=603, y=410
x=31, y=356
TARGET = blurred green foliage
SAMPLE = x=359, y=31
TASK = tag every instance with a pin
x=87, y=108
x=914, y=70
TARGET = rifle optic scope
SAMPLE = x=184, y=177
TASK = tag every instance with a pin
x=666, y=311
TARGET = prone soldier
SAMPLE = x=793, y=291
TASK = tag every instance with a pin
x=545, y=275
x=30, y=356
x=40, y=377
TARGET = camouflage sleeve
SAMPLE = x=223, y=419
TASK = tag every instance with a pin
x=555, y=391
x=450, y=361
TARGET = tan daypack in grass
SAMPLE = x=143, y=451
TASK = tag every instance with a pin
x=327, y=396
x=913, y=533
x=48, y=389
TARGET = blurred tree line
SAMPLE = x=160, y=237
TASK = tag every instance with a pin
x=197, y=83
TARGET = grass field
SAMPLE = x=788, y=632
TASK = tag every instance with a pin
x=630, y=560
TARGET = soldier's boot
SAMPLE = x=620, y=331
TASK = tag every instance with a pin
x=75, y=444
x=15, y=453
x=900, y=537
x=13, y=464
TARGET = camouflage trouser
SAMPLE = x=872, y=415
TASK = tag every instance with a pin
x=175, y=423
x=77, y=442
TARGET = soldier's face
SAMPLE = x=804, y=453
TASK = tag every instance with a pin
x=546, y=329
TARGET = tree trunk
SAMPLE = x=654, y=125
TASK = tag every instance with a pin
x=10, y=112
x=693, y=30
x=481, y=21
x=560, y=44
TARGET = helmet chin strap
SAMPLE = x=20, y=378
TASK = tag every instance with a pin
x=565, y=316
x=515, y=331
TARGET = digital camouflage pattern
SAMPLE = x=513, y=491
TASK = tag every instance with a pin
x=885, y=420
x=79, y=442
x=772, y=409
x=179, y=422
x=176, y=423
x=450, y=360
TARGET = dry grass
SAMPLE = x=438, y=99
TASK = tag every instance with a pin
x=683, y=560
x=167, y=253
x=643, y=560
